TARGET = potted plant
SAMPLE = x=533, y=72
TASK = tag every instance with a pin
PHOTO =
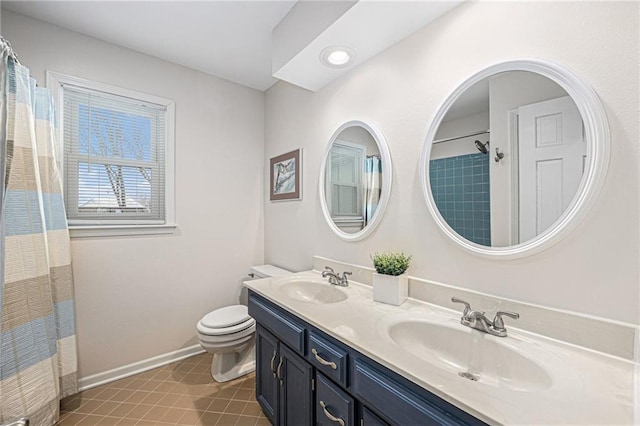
x=390, y=283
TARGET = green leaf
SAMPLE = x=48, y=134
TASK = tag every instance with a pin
x=391, y=263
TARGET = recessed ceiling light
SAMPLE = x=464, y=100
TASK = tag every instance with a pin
x=337, y=56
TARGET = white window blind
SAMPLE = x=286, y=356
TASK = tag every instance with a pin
x=114, y=158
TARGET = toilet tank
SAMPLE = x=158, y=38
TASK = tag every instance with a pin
x=257, y=272
x=266, y=271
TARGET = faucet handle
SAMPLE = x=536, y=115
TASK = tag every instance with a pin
x=498, y=324
x=467, y=307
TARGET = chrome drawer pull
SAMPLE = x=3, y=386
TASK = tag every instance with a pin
x=273, y=368
x=322, y=361
x=331, y=416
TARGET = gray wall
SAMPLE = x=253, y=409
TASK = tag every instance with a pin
x=593, y=271
x=138, y=297
x=141, y=297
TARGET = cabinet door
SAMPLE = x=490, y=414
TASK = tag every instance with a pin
x=296, y=395
x=370, y=419
x=266, y=365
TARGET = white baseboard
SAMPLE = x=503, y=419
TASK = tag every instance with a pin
x=98, y=379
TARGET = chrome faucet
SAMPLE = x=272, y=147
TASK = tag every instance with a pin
x=478, y=321
x=334, y=278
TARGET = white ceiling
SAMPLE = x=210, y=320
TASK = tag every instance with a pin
x=228, y=39
x=232, y=39
x=367, y=27
x=473, y=101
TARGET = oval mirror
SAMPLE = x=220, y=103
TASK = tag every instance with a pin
x=355, y=180
x=515, y=157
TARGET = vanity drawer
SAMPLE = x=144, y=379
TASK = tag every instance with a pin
x=400, y=405
x=328, y=358
x=281, y=324
x=333, y=406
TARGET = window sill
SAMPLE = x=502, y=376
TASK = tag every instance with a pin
x=120, y=230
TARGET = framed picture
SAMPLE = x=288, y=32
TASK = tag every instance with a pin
x=286, y=176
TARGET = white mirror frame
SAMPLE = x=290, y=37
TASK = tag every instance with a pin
x=598, y=146
x=385, y=191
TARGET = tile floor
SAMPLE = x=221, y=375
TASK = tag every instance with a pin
x=181, y=393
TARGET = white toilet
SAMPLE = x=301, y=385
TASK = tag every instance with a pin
x=229, y=334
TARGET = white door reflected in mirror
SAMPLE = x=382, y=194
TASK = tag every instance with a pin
x=355, y=180
x=550, y=163
x=535, y=124
x=514, y=157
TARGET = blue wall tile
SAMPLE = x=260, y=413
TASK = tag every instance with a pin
x=460, y=187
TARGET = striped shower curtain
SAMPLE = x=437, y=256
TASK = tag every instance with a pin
x=372, y=176
x=37, y=326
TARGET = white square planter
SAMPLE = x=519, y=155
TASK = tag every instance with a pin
x=390, y=289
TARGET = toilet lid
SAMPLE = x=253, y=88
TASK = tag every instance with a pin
x=226, y=317
x=226, y=331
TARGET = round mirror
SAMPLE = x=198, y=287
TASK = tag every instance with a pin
x=355, y=180
x=515, y=157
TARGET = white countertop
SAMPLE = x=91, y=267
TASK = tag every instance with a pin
x=583, y=387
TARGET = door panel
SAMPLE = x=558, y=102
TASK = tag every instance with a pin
x=266, y=381
x=548, y=193
x=370, y=419
x=296, y=396
x=552, y=150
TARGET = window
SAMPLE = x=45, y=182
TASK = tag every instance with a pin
x=117, y=158
x=345, y=180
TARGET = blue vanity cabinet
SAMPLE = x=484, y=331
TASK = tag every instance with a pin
x=333, y=405
x=283, y=382
x=296, y=395
x=370, y=419
x=289, y=329
x=328, y=357
x=402, y=402
x=306, y=377
x=266, y=379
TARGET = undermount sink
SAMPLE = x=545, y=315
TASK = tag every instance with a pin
x=468, y=353
x=313, y=292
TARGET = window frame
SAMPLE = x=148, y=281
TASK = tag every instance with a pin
x=360, y=150
x=55, y=83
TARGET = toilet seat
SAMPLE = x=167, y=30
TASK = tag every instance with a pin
x=228, y=339
x=226, y=317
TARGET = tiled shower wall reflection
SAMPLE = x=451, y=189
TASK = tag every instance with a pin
x=460, y=187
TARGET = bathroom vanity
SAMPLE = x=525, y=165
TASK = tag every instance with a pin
x=330, y=355
x=304, y=376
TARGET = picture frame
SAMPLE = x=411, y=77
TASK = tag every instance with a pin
x=286, y=176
